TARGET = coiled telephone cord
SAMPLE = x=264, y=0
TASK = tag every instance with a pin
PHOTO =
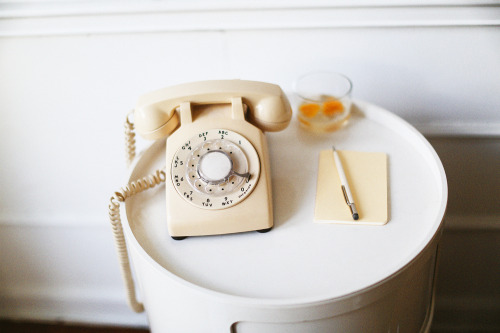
x=120, y=196
x=129, y=140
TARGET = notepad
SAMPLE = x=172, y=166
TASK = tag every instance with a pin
x=366, y=173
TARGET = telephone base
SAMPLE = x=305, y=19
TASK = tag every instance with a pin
x=262, y=231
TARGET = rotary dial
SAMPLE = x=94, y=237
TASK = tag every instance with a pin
x=215, y=169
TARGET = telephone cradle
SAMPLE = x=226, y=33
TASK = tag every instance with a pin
x=217, y=172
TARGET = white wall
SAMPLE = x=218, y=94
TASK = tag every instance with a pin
x=69, y=72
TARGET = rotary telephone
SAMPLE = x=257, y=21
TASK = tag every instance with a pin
x=217, y=173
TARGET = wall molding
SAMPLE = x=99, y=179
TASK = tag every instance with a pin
x=55, y=220
x=472, y=222
x=484, y=130
x=452, y=222
x=85, y=306
x=75, y=305
x=19, y=19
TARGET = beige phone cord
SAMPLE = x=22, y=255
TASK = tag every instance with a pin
x=129, y=140
x=120, y=196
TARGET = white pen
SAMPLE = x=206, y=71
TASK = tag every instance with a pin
x=345, y=186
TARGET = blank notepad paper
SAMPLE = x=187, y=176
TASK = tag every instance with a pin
x=366, y=173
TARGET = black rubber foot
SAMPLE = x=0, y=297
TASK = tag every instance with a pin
x=262, y=231
x=179, y=237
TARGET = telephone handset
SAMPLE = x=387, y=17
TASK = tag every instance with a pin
x=217, y=169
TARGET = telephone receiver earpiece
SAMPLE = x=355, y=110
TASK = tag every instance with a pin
x=271, y=114
x=155, y=115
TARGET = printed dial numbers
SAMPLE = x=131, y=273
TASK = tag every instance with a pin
x=215, y=169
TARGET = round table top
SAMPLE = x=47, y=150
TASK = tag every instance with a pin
x=299, y=260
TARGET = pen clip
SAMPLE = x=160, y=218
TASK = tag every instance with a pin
x=345, y=195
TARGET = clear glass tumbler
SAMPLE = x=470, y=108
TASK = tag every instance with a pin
x=324, y=100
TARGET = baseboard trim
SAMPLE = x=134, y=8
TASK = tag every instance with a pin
x=487, y=130
x=88, y=306
x=472, y=223
x=78, y=305
x=452, y=222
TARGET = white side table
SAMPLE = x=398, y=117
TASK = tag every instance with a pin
x=301, y=276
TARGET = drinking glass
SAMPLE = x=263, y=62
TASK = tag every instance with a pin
x=324, y=100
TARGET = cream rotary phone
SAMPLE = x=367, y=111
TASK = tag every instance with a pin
x=217, y=173
x=218, y=179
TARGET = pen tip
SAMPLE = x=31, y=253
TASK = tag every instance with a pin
x=355, y=216
x=333, y=148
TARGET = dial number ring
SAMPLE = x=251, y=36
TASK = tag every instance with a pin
x=228, y=187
